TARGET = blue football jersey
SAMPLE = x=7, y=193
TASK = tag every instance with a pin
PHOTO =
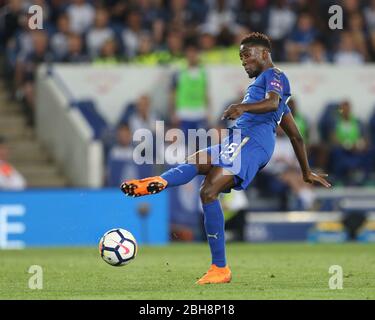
x=262, y=127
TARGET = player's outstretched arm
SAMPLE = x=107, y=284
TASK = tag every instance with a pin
x=270, y=103
x=290, y=128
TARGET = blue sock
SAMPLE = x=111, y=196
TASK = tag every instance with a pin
x=214, y=225
x=180, y=175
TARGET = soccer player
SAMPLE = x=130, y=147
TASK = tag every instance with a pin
x=263, y=108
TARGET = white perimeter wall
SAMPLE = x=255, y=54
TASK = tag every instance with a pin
x=66, y=134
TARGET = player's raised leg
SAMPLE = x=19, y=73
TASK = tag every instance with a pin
x=197, y=163
x=217, y=181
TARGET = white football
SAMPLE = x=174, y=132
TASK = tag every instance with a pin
x=118, y=247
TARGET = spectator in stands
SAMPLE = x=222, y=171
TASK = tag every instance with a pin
x=117, y=10
x=179, y=17
x=158, y=31
x=152, y=11
x=11, y=30
x=347, y=52
x=120, y=163
x=26, y=69
x=56, y=9
x=59, y=41
x=282, y=176
x=132, y=33
x=357, y=30
x=305, y=6
x=348, y=130
x=210, y=51
x=75, y=53
x=99, y=33
x=221, y=22
x=10, y=178
x=22, y=43
x=189, y=103
x=349, y=158
x=252, y=14
x=10, y=16
x=120, y=159
x=146, y=44
x=207, y=42
x=225, y=55
x=143, y=116
x=316, y=53
x=145, y=53
x=281, y=20
x=350, y=7
x=108, y=53
x=174, y=51
x=81, y=16
x=301, y=38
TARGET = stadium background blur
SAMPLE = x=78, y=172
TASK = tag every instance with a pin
x=174, y=35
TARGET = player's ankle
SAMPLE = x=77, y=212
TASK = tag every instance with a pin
x=220, y=266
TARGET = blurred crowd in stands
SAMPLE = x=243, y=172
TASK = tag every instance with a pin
x=201, y=32
x=158, y=31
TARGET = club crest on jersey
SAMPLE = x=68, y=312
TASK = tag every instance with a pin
x=276, y=84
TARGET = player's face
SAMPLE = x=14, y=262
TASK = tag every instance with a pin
x=252, y=59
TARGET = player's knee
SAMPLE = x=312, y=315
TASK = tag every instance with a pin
x=201, y=162
x=208, y=194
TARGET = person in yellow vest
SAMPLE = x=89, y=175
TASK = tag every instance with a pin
x=347, y=131
x=108, y=54
x=189, y=103
x=150, y=55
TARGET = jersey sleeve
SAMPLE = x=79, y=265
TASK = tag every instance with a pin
x=286, y=109
x=274, y=83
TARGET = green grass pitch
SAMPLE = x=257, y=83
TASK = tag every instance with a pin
x=260, y=271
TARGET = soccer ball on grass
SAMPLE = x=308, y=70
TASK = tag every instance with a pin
x=118, y=247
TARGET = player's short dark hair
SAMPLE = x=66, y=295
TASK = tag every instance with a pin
x=257, y=39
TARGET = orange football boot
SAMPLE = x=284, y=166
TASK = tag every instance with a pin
x=216, y=275
x=142, y=187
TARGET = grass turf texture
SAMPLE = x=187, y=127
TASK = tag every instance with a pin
x=260, y=271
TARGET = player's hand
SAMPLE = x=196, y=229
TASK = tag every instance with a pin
x=232, y=112
x=312, y=177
